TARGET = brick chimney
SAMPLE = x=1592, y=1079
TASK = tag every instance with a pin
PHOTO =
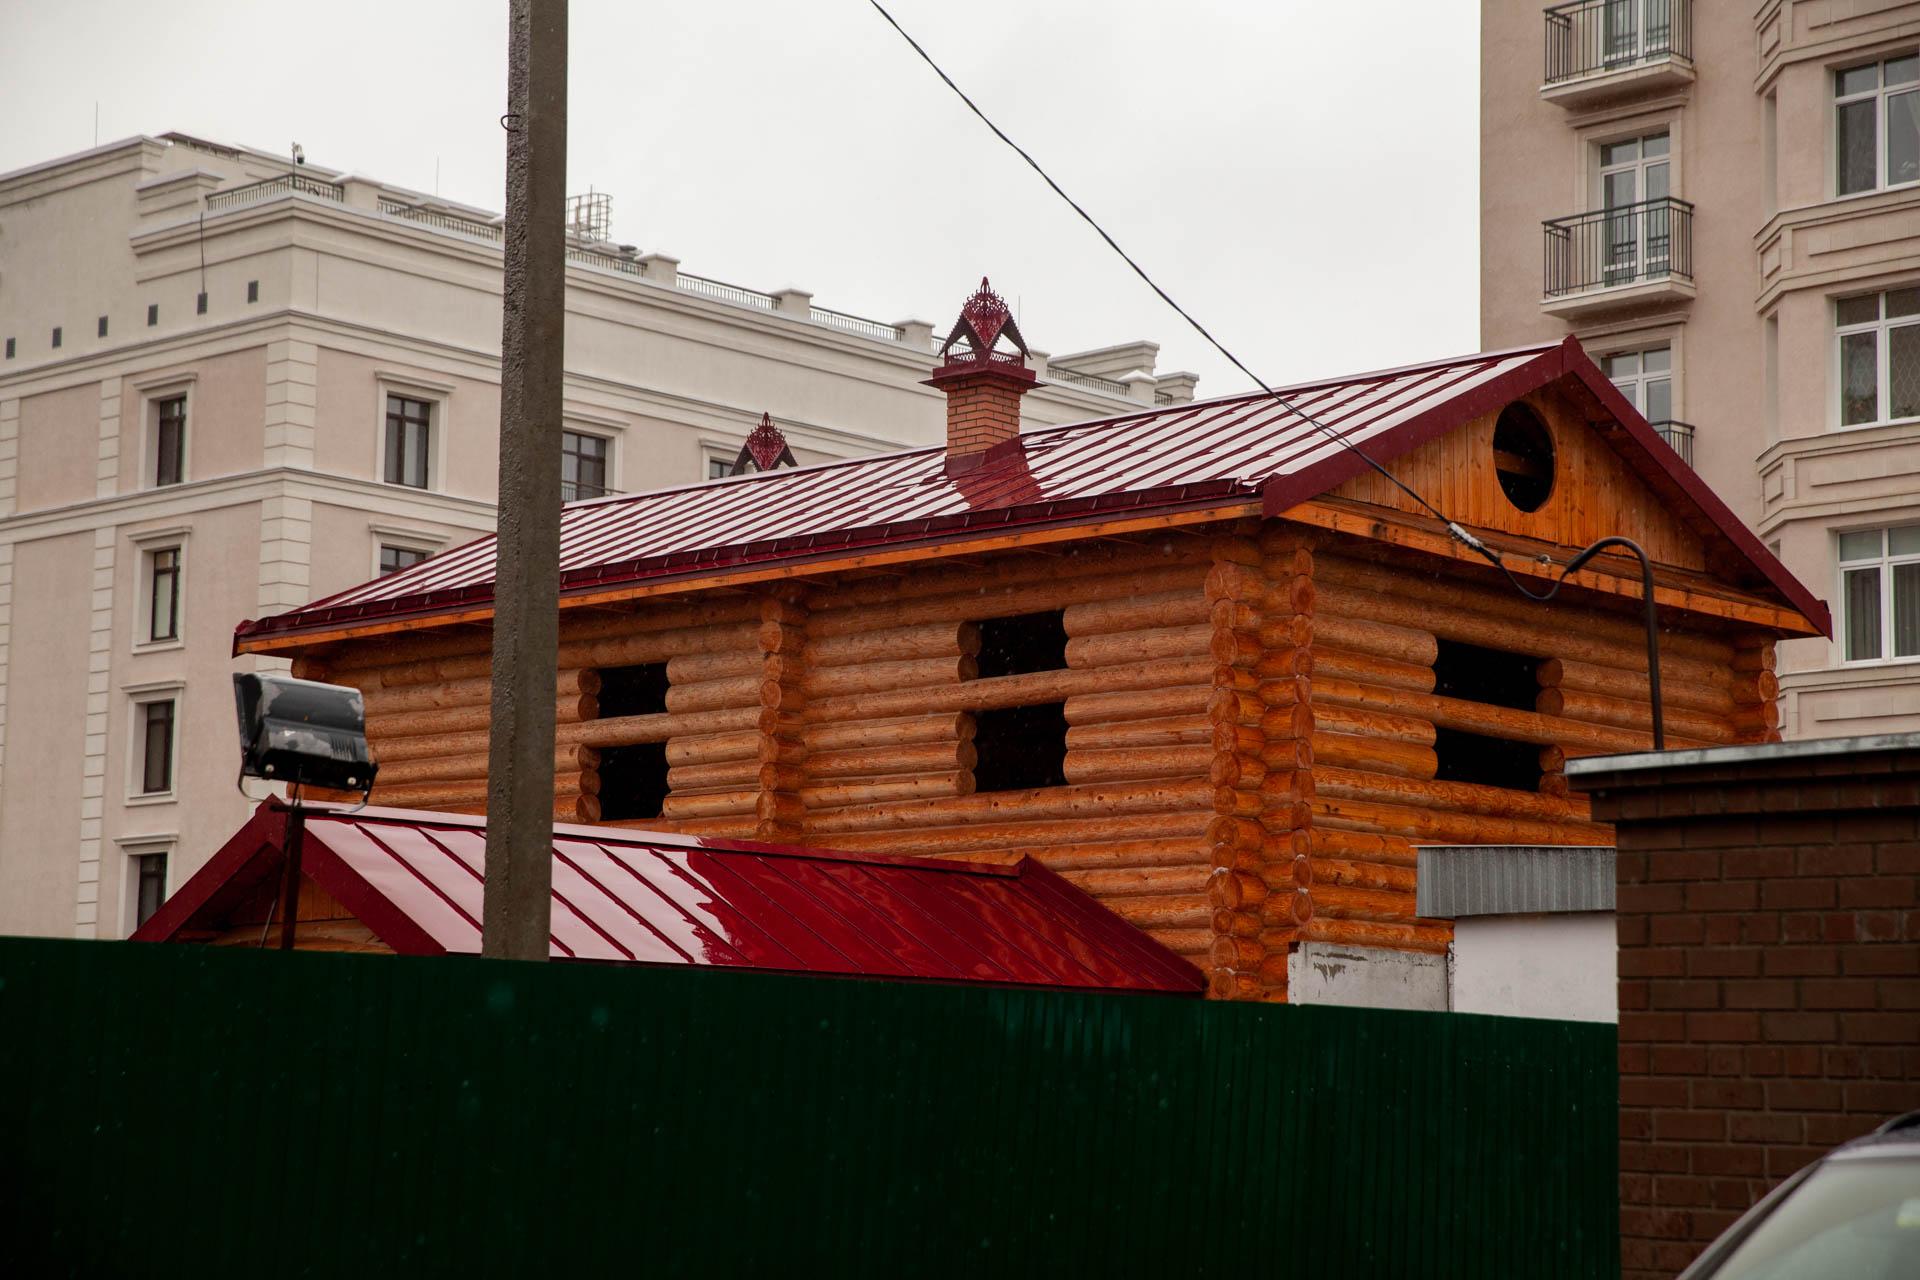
x=983, y=384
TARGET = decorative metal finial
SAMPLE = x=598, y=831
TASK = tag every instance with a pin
x=766, y=449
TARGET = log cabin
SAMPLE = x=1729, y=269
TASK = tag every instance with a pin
x=1200, y=660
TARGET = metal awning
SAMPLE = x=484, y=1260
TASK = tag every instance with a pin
x=1454, y=881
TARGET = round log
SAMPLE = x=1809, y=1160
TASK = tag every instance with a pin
x=1127, y=763
x=1167, y=851
x=896, y=644
x=466, y=693
x=874, y=677
x=723, y=775
x=1377, y=755
x=1166, y=731
x=715, y=664
x=886, y=791
x=1454, y=594
x=1092, y=801
x=1163, y=610
x=998, y=602
x=951, y=726
x=1335, y=718
x=1375, y=639
x=1010, y=691
x=1446, y=827
x=969, y=835
x=1597, y=708
x=1364, y=875
x=1615, y=682
x=1338, y=664
x=881, y=761
x=713, y=748
x=715, y=695
x=1454, y=797
x=1124, y=647
x=1428, y=937
x=1132, y=882
x=713, y=804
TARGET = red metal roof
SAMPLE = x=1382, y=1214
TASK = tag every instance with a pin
x=1180, y=457
x=631, y=897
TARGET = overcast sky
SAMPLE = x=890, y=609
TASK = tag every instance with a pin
x=1302, y=176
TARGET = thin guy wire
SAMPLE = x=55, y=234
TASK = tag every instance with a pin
x=1337, y=437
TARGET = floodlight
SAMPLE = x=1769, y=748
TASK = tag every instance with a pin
x=302, y=731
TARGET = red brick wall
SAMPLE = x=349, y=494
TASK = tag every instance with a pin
x=1769, y=921
x=983, y=410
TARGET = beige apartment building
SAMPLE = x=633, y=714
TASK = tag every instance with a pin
x=1722, y=201
x=228, y=387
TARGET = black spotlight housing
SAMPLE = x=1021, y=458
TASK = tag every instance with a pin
x=302, y=731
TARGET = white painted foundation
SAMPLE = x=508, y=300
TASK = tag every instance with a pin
x=1543, y=966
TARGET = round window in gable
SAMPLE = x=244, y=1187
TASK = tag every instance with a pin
x=1523, y=457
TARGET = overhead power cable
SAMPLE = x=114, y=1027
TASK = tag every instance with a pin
x=1453, y=528
x=1339, y=438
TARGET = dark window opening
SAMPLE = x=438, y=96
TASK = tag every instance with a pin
x=1523, y=457
x=9, y=348
x=394, y=559
x=1025, y=643
x=1494, y=678
x=1021, y=747
x=56, y=336
x=151, y=869
x=170, y=440
x=253, y=291
x=409, y=441
x=156, y=747
x=633, y=779
x=153, y=314
x=1491, y=762
x=103, y=326
x=200, y=304
x=583, y=466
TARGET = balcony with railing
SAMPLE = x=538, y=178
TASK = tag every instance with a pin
x=286, y=183
x=1679, y=435
x=1601, y=50
x=1616, y=259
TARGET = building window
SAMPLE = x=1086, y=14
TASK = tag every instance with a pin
x=253, y=291
x=1879, y=348
x=153, y=314
x=394, y=559
x=103, y=326
x=1645, y=378
x=170, y=440
x=163, y=594
x=1876, y=122
x=56, y=335
x=409, y=441
x=149, y=885
x=156, y=746
x=200, y=304
x=1021, y=747
x=1634, y=175
x=1493, y=678
x=583, y=466
x=1880, y=593
x=9, y=348
x=718, y=467
x=633, y=779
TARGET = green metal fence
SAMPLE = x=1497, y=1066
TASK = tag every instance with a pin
x=180, y=1111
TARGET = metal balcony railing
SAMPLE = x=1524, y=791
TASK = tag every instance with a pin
x=856, y=324
x=580, y=491
x=1091, y=381
x=1593, y=37
x=1613, y=248
x=266, y=190
x=491, y=231
x=1679, y=435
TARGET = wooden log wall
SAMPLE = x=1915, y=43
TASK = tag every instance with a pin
x=1251, y=724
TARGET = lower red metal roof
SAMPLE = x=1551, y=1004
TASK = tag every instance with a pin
x=628, y=897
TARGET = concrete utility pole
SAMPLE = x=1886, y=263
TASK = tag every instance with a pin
x=526, y=621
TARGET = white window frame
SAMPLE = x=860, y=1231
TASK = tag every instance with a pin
x=1886, y=562
x=410, y=539
x=1634, y=385
x=132, y=849
x=1882, y=327
x=151, y=393
x=1879, y=96
x=145, y=544
x=138, y=698
x=439, y=398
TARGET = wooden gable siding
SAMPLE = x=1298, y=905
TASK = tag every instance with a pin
x=1595, y=493
x=1251, y=717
